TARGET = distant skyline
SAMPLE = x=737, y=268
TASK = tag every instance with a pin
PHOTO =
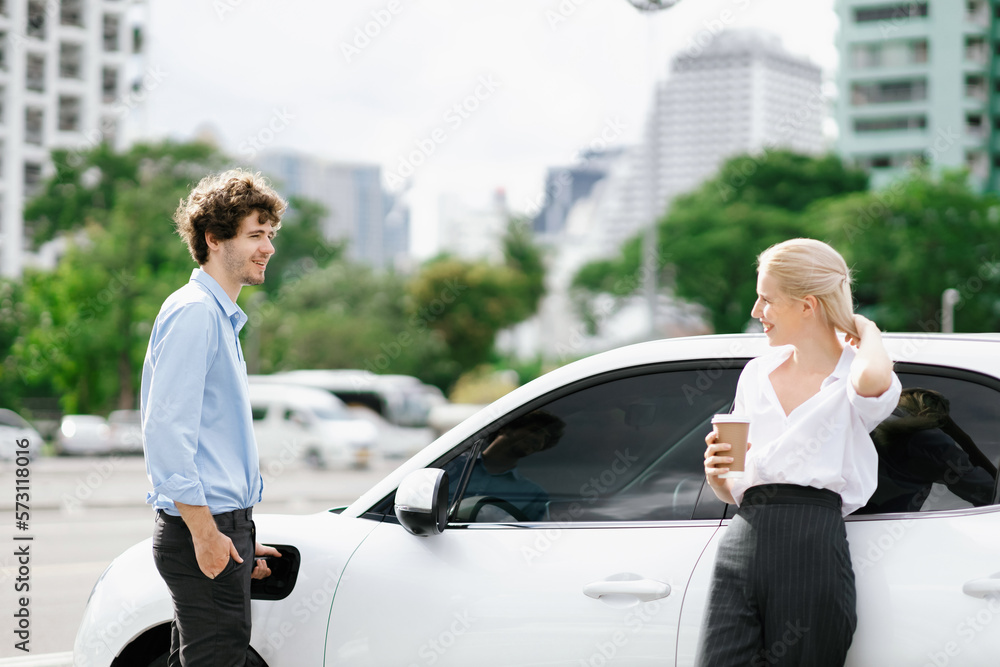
x=462, y=98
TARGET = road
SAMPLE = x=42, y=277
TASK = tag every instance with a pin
x=85, y=511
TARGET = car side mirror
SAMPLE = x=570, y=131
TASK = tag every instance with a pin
x=422, y=501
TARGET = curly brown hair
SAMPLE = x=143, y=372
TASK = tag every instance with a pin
x=219, y=203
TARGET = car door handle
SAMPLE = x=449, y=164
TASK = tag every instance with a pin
x=980, y=588
x=643, y=589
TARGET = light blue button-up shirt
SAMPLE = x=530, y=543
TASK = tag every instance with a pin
x=196, y=422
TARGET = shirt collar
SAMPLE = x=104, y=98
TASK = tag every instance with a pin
x=843, y=368
x=232, y=311
x=780, y=355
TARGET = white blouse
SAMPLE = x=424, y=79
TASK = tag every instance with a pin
x=823, y=443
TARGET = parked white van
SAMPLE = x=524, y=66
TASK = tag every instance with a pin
x=301, y=423
x=397, y=405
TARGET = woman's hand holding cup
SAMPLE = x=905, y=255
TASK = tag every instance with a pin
x=717, y=458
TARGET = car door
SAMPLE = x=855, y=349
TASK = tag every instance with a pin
x=580, y=556
x=926, y=549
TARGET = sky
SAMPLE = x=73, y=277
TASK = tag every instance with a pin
x=448, y=97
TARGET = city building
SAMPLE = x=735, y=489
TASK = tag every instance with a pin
x=71, y=75
x=564, y=186
x=471, y=232
x=742, y=92
x=374, y=224
x=917, y=85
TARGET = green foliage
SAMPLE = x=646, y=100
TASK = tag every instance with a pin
x=910, y=242
x=467, y=303
x=82, y=331
x=85, y=186
x=12, y=317
x=300, y=246
x=346, y=316
x=713, y=252
x=709, y=239
x=525, y=258
x=783, y=179
x=87, y=324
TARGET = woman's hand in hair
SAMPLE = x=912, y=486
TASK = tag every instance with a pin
x=871, y=370
x=863, y=325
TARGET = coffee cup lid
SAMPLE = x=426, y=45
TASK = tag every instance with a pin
x=734, y=418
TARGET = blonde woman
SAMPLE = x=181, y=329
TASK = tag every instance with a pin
x=783, y=588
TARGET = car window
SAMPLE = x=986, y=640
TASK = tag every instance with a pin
x=627, y=449
x=940, y=448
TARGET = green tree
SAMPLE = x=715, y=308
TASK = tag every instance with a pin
x=467, y=303
x=300, y=246
x=911, y=241
x=85, y=327
x=86, y=185
x=709, y=239
x=346, y=316
x=523, y=256
x=12, y=317
x=89, y=320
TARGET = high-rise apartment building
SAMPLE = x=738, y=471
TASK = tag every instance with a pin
x=70, y=75
x=564, y=186
x=473, y=232
x=917, y=85
x=374, y=225
x=743, y=92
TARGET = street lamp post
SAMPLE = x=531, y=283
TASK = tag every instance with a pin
x=649, y=250
x=949, y=299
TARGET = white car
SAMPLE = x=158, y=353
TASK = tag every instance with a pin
x=14, y=429
x=125, y=431
x=600, y=550
x=83, y=435
x=294, y=423
x=394, y=441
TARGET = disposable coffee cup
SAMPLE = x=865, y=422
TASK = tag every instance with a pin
x=733, y=428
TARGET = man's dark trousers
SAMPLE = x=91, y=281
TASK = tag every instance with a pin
x=211, y=626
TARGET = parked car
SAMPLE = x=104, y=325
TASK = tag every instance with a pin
x=294, y=423
x=83, y=434
x=394, y=441
x=400, y=399
x=425, y=568
x=14, y=428
x=125, y=431
x=401, y=403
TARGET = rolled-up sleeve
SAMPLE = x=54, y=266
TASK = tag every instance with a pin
x=874, y=409
x=180, y=352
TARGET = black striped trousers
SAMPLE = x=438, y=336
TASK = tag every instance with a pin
x=783, y=588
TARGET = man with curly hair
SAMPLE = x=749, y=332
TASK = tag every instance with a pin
x=201, y=455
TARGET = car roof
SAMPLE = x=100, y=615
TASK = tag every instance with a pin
x=11, y=418
x=342, y=379
x=83, y=419
x=294, y=394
